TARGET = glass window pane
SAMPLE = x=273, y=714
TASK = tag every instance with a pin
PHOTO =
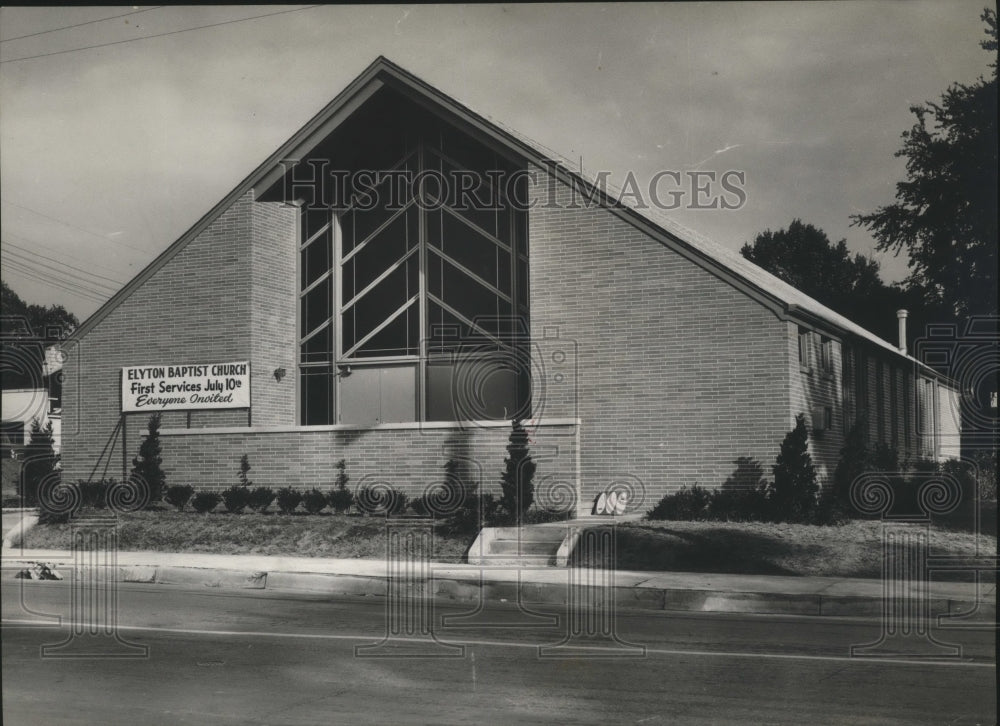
x=359, y=223
x=317, y=396
x=319, y=347
x=316, y=260
x=379, y=254
x=316, y=307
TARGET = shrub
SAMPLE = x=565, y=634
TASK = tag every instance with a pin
x=236, y=498
x=743, y=496
x=95, y=493
x=179, y=495
x=986, y=475
x=340, y=498
x=205, y=501
x=244, y=470
x=288, y=499
x=516, y=483
x=40, y=464
x=685, y=504
x=380, y=500
x=146, y=467
x=314, y=500
x=793, y=493
x=260, y=498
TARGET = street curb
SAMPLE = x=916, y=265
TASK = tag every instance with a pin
x=483, y=588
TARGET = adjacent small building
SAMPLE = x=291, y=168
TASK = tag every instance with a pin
x=403, y=276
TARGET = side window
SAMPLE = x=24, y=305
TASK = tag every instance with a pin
x=804, y=341
x=826, y=356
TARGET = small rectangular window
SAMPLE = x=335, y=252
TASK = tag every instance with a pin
x=880, y=400
x=803, y=348
x=826, y=356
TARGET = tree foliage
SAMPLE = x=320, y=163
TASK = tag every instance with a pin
x=804, y=257
x=794, y=490
x=47, y=323
x=147, y=466
x=40, y=461
x=945, y=213
x=516, y=483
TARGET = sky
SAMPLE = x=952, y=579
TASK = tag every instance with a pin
x=109, y=153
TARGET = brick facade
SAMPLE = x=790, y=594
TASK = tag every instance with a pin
x=654, y=365
x=677, y=372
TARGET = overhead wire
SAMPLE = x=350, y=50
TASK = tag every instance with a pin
x=159, y=35
x=80, y=25
x=24, y=250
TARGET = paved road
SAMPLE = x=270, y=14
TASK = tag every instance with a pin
x=231, y=657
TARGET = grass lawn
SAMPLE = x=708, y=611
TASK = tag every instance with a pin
x=299, y=535
x=761, y=548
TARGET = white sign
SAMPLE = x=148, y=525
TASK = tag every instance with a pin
x=186, y=387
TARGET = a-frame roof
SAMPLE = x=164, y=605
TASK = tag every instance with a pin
x=786, y=301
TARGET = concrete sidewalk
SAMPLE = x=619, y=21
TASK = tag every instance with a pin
x=692, y=592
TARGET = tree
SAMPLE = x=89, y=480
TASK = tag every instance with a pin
x=40, y=462
x=25, y=331
x=945, y=213
x=518, y=489
x=47, y=323
x=794, y=489
x=146, y=467
x=804, y=257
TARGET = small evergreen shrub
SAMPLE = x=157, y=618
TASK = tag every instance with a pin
x=517, y=480
x=314, y=500
x=205, y=501
x=261, y=498
x=340, y=497
x=743, y=496
x=179, y=495
x=244, y=470
x=340, y=500
x=986, y=475
x=794, y=489
x=40, y=463
x=288, y=499
x=95, y=493
x=380, y=500
x=147, y=466
x=855, y=460
x=236, y=498
x=686, y=504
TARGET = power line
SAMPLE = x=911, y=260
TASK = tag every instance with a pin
x=23, y=258
x=101, y=237
x=62, y=253
x=79, y=292
x=57, y=277
x=159, y=35
x=89, y=22
x=60, y=262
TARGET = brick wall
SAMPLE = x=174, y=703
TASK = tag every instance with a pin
x=192, y=310
x=677, y=373
x=409, y=458
x=273, y=299
x=814, y=387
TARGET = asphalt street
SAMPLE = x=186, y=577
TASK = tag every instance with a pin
x=241, y=657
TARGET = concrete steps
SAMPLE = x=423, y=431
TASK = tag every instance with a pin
x=527, y=546
x=535, y=545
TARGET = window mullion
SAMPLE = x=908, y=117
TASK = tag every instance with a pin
x=423, y=324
